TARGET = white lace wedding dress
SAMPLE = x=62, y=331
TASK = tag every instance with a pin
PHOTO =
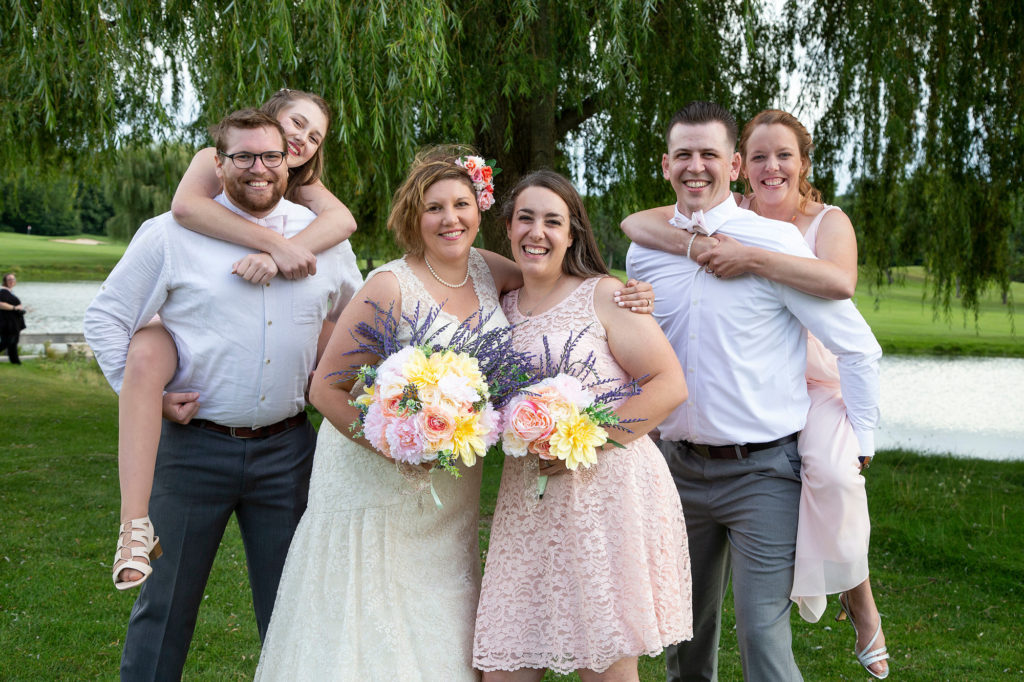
x=380, y=584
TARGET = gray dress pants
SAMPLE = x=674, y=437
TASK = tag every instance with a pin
x=741, y=517
x=202, y=478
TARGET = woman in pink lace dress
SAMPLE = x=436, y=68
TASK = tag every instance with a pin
x=834, y=529
x=596, y=572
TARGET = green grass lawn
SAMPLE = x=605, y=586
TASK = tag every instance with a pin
x=43, y=259
x=905, y=324
x=947, y=556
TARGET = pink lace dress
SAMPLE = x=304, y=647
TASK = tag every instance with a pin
x=599, y=568
x=834, y=529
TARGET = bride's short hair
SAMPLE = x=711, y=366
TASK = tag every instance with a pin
x=431, y=165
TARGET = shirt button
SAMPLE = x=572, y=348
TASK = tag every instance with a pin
x=692, y=336
x=267, y=284
x=262, y=398
x=268, y=361
x=270, y=322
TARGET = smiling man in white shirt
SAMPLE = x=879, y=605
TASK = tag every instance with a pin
x=732, y=445
x=247, y=350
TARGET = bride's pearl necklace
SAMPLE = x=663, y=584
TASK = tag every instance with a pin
x=447, y=284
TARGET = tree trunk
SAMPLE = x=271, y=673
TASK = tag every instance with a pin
x=532, y=142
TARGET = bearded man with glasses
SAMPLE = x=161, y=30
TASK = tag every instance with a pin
x=247, y=351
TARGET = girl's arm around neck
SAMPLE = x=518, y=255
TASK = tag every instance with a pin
x=832, y=275
x=194, y=207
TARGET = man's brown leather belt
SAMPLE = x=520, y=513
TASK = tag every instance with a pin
x=737, y=451
x=246, y=432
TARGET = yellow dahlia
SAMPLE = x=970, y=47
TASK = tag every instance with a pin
x=575, y=439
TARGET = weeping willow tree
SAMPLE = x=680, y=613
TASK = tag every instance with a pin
x=922, y=92
x=530, y=82
x=927, y=94
x=141, y=183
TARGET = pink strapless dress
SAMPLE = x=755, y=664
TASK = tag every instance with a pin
x=598, y=569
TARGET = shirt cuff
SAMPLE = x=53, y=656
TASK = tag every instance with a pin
x=866, y=440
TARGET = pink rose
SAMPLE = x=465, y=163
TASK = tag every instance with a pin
x=487, y=173
x=471, y=164
x=485, y=200
x=530, y=419
x=389, y=406
x=542, y=448
x=436, y=424
x=557, y=405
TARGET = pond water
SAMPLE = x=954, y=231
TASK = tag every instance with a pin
x=964, y=406
x=55, y=307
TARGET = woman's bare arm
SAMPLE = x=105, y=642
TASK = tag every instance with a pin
x=832, y=275
x=326, y=392
x=640, y=347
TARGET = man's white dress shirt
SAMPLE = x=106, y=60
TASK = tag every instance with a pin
x=247, y=349
x=742, y=343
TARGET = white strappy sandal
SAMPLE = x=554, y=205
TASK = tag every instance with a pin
x=128, y=556
x=866, y=656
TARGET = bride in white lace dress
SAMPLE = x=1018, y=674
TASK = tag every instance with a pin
x=380, y=583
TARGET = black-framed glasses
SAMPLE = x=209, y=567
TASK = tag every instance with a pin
x=246, y=160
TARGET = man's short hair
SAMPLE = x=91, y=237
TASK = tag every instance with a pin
x=245, y=119
x=698, y=112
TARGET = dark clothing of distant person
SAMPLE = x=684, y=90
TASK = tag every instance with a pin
x=11, y=324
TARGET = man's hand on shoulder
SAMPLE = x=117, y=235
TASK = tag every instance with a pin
x=180, y=407
x=258, y=268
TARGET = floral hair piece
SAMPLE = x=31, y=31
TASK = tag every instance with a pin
x=481, y=173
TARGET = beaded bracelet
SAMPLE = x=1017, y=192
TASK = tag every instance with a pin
x=690, y=245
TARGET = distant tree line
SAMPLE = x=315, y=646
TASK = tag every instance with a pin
x=112, y=199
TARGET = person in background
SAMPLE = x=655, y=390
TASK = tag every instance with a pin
x=12, y=318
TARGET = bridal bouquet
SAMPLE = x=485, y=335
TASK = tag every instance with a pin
x=430, y=401
x=564, y=415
